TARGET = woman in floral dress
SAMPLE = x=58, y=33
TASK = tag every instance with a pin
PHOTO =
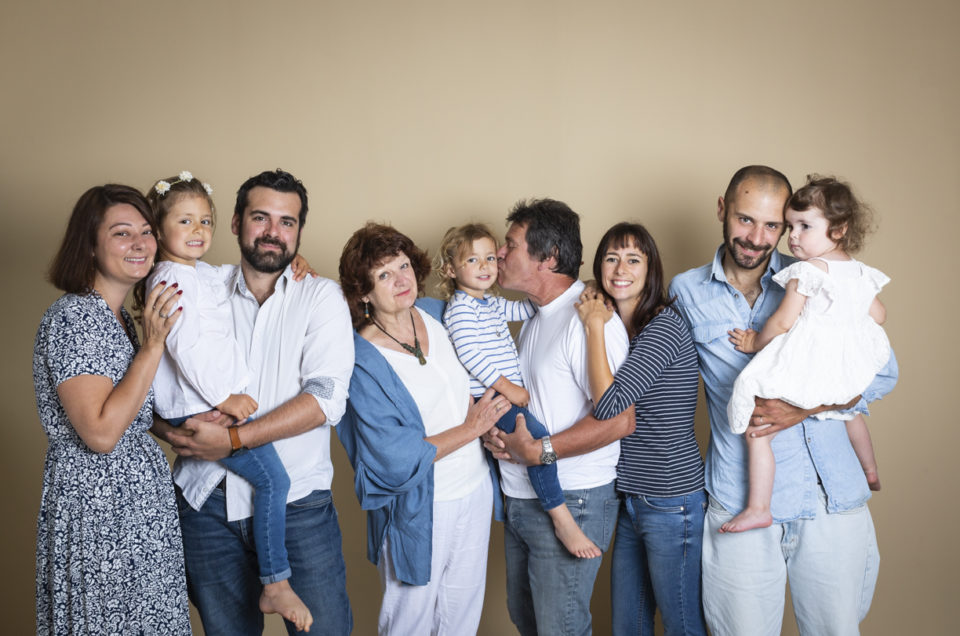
x=109, y=553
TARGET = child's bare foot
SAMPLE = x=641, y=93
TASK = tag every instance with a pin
x=749, y=519
x=570, y=534
x=279, y=598
x=873, y=479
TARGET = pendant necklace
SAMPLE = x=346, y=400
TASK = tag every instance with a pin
x=415, y=349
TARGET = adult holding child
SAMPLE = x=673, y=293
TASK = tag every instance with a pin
x=109, y=551
x=656, y=553
x=412, y=432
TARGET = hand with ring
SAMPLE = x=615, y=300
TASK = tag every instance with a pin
x=160, y=312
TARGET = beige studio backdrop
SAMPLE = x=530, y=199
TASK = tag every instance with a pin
x=428, y=114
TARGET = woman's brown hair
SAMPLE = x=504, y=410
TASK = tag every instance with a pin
x=370, y=246
x=74, y=266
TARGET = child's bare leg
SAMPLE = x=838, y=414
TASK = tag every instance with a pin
x=570, y=534
x=279, y=598
x=862, y=445
x=762, y=467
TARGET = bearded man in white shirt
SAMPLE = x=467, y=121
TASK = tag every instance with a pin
x=548, y=589
x=298, y=342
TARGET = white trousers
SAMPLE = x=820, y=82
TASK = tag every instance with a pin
x=451, y=603
x=831, y=561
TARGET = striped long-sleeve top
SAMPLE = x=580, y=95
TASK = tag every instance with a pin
x=479, y=332
x=660, y=458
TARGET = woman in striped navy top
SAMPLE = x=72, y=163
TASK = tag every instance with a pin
x=656, y=555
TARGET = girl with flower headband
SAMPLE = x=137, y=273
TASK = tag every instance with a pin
x=203, y=367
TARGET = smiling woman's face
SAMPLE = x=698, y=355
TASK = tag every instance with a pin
x=623, y=272
x=125, y=247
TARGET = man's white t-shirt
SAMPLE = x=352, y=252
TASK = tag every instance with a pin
x=553, y=361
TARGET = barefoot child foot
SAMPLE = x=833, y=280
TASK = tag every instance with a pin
x=570, y=534
x=749, y=519
x=279, y=598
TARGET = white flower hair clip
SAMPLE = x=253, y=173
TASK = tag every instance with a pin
x=162, y=187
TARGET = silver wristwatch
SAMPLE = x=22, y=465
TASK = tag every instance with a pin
x=547, y=456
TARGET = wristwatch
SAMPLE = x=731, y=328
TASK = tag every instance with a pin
x=547, y=456
x=236, y=446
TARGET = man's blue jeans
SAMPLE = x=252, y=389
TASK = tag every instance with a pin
x=543, y=477
x=656, y=563
x=548, y=589
x=222, y=571
x=262, y=467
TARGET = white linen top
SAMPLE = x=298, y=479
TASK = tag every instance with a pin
x=441, y=390
x=553, y=361
x=202, y=363
x=299, y=341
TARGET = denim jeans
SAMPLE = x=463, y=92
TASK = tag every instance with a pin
x=222, y=572
x=831, y=561
x=543, y=477
x=548, y=589
x=262, y=467
x=656, y=563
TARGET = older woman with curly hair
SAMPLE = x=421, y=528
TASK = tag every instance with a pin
x=412, y=433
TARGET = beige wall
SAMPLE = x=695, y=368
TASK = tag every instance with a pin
x=428, y=114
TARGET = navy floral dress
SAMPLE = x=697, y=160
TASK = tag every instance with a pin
x=109, y=552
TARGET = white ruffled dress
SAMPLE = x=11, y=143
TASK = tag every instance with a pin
x=832, y=352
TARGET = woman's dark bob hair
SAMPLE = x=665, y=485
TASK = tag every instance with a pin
x=370, y=246
x=74, y=267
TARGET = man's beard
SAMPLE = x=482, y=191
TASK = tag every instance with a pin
x=741, y=260
x=268, y=262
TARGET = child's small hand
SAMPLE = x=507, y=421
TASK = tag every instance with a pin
x=518, y=396
x=240, y=406
x=301, y=268
x=743, y=340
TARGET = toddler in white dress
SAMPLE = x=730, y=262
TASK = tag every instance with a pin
x=823, y=345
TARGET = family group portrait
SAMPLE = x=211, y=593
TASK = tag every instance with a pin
x=437, y=318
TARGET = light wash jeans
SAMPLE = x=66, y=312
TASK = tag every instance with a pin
x=656, y=563
x=222, y=572
x=831, y=561
x=548, y=589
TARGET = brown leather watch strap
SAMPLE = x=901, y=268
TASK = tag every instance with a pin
x=235, y=443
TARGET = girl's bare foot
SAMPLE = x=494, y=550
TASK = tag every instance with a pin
x=749, y=519
x=570, y=534
x=279, y=598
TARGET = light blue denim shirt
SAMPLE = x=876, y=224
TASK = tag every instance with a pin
x=809, y=452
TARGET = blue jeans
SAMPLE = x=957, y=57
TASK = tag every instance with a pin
x=549, y=589
x=261, y=466
x=831, y=561
x=656, y=563
x=543, y=478
x=222, y=574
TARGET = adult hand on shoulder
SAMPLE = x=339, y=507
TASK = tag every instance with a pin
x=203, y=436
x=594, y=310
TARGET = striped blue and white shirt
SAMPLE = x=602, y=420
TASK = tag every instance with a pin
x=661, y=457
x=479, y=332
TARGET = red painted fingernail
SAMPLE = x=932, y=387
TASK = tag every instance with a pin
x=163, y=282
x=174, y=285
x=179, y=308
x=178, y=293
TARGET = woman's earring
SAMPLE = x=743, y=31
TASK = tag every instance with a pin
x=366, y=310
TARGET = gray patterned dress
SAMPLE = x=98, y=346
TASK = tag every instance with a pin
x=109, y=553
